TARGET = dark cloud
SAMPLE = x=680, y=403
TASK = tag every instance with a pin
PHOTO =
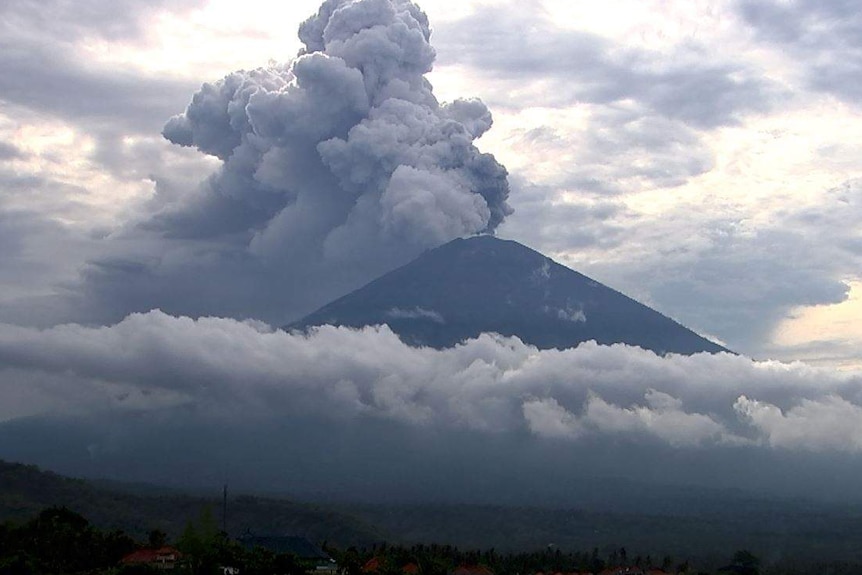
x=38, y=255
x=573, y=224
x=117, y=20
x=536, y=61
x=732, y=278
x=824, y=39
x=51, y=222
x=166, y=168
x=366, y=388
x=44, y=78
x=43, y=73
x=336, y=167
x=59, y=84
x=621, y=151
x=10, y=152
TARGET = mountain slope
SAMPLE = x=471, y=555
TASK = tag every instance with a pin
x=485, y=284
x=25, y=490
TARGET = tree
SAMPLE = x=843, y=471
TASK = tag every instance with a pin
x=349, y=563
x=157, y=538
x=61, y=541
x=667, y=563
x=744, y=563
x=200, y=544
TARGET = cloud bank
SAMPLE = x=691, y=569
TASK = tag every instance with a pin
x=339, y=394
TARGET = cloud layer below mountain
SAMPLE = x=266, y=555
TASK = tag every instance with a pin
x=489, y=389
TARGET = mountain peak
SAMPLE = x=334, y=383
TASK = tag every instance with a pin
x=486, y=284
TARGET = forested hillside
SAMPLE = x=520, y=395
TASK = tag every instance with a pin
x=25, y=490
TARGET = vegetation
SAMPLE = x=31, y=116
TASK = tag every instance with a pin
x=444, y=559
x=52, y=524
x=707, y=531
x=25, y=490
x=59, y=541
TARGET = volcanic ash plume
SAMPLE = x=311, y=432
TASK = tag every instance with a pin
x=345, y=151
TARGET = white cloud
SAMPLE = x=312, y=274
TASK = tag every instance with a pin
x=827, y=423
x=547, y=418
x=415, y=313
x=489, y=384
x=664, y=418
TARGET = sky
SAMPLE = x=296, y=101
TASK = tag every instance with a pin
x=235, y=165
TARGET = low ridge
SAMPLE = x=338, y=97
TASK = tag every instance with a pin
x=25, y=490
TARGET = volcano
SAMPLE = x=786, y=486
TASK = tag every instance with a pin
x=486, y=284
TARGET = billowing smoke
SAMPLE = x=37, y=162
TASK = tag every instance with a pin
x=337, y=167
x=351, y=126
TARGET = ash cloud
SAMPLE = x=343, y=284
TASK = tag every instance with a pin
x=336, y=167
x=355, y=110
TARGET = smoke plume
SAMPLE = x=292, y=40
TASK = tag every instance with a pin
x=336, y=167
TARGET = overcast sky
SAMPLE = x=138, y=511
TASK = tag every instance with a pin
x=703, y=157
x=698, y=156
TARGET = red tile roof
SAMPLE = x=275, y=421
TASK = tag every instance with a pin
x=149, y=556
x=371, y=566
x=472, y=570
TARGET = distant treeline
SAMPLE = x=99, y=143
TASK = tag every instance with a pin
x=791, y=537
x=446, y=559
x=386, y=559
x=25, y=490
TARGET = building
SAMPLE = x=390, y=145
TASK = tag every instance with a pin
x=165, y=558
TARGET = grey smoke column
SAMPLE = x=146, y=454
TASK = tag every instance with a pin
x=337, y=167
x=344, y=151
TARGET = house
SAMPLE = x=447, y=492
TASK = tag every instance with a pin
x=371, y=566
x=623, y=571
x=162, y=558
x=317, y=561
x=471, y=570
x=375, y=565
x=301, y=547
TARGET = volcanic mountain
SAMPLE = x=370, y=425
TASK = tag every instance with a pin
x=485, y=284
